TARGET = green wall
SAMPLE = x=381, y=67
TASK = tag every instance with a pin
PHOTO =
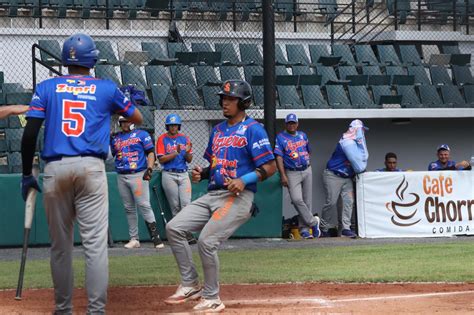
x=266, y=224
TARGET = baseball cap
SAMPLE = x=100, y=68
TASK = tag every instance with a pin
x=443, y=147
x=358, y=123
x=291, y=118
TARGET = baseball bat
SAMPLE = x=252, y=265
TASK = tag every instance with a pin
x=29, y=213
x=159, y=205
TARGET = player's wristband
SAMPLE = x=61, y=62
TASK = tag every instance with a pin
x=249, y=178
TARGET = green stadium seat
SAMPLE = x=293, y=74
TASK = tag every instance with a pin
x=14, y=162
x=312, y=97
x=297, y=54
x=452, y=96
x=181, y=75
x=378, y=91
x=250, y=71
x=106, y=53
x=285, y=8
x=430, y=97
x=206, y=75
x=345, y=53
x=345, y=71
x=132, y=75
x=328, y=75
x=388, y=55
x=257, y=96
x=148, y=117
x=419, y=72
x=403, y=9
x=18, y=98
x=371, y=70
x=173, y=48
x=280, y=58
x=365, y=55
x=409, y=97
x=318, y=51
x=210, y=97
x=220, y=8
x=469, y=94
x=54, y=49
x=13, y=137
x=157, y=75
x=155, y=51
x=440, y=76
x=450, y=49
x=107, y=72
x=288, y=97
x=360, y=97
x=462, y=75
x=301, y=70
x=229, y=73
x=328, y=8
x=188, y=97
x=250, y=54
x=163, y=97
x=155, y=6
x=281, y=70
x=16, y=89
x=245, y=7
x=410, y=55
x=337, y=97
x=228, y=53
x=204, y=47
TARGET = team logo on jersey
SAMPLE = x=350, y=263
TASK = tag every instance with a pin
x=75, y=90
x=294, y=155
x=35, y=97
x=242, y=129
x=133, y=165
x=213, y=161
x=228, y=141
x=293, y=146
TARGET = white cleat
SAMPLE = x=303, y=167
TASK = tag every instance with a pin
x=209, y=306
x=184, y=294
x=133, y=243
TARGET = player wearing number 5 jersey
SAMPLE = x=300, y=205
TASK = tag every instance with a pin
x=76, y=109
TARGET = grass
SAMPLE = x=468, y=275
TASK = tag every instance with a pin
x=451, y=262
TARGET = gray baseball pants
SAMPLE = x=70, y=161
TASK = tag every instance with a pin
x=334, y=187
x=76, y=188
x=300, y=187
x=217, y=215
x=177, y=187
x=135, y=194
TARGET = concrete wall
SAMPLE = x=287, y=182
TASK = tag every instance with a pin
x=414, y=143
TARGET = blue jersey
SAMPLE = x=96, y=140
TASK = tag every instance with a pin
x=294, y=149
x=167, y=144
x=340, y=164
x=385, y=170
x=129, y=150
x=236, y=150
x=77, y=113
x=438, y=166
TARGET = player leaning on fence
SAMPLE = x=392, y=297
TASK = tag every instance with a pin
x=240, y=155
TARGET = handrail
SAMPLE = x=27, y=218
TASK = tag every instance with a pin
x=35, y=60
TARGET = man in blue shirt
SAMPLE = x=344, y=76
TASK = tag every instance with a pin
x=390, y=163
x=292, y=154
x=444, y=163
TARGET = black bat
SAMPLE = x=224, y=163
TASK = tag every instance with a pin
x=29, y=213
x=159, y=205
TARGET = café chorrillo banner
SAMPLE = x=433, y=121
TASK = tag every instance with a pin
x=415, y=204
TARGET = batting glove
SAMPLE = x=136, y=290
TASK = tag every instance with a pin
x=148, y=173
x=28, y=182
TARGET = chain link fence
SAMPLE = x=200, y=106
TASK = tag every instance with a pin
x=329, y=55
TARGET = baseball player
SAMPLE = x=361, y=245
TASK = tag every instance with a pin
x=444, y=163
x=292, y=154
x=134, y=159
x=390, y=163
x=9, y=110
x=240, y=155
x=76, y=109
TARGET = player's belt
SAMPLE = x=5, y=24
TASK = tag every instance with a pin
x=175, y=170
x=130, y=172
x=59, y=158
x=302, y=168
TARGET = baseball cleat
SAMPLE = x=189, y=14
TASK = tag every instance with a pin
x=315, y=228
x=348, y=233
x=209, y=306
x=184, y=294
x=133, y=243
x=306, y=235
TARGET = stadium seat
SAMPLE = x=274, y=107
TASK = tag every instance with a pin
x=14, y=93
x=163, y=97
x=229, y=73
x=429, y=50
x=440, y=76
x=210, y=97
x=250, y=54
x=301, y=70
x=469, y=94
x=156, y=52
x=106, y=53
x=181, y=75
x=409, y=97
x=450, y=49
x=228, y=53
x=14, y=122
x=365, y=55
x=157, y=75
x=462, y=75
x=285, y=8
x=345, y=53
x=177, y=8
x=148, y=117
x=387, y=55
x=3, y=123
x=328, y=8
x=173, y=48
x=206, y=75
x=328, y=75
x=53, y=47
x=132, y=74
x=312, y=97
x=281, y=70
x=378, y=91
x=318, y=51
x=280, y=58
x=371, y=70
x=201, y=47
x=403, y=9
x=410, y=55
x=245, y=8
x=107, y=72
x=220, y=8
x=452, y=96
x=337, y=97
x=430, y=97
x=360, y=97
x=250, y=71
x=3, y=147
x=419, y=72
x=13, y=137
x=345, y=71
x=288, y=97
x=14, y=162
x=257, y=96
x=188, y=97
x=297, y=54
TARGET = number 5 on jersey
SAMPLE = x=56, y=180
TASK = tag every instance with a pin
x=73, y=122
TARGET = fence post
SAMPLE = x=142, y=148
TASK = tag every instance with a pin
x=269, y=69
x=467, y=16
x=107, y=22
x=353, y=17
x=395, y=11
x=454, y=16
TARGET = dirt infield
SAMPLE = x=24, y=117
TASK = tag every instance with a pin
x=305, y=298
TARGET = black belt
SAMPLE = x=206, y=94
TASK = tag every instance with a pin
x=130, y=172
x=338, y=174
x=59, y=158
x=297, y=168
x=175, y=170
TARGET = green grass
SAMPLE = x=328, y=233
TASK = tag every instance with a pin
x=452, y=262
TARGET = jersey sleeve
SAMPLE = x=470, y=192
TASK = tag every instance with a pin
x=259, y=145
x=38, y=102
x=308, y=148
x=122, y=104
x=146, y=140
x=160, y=145
x=432, y=167
x=208, y=152
x=278, y=146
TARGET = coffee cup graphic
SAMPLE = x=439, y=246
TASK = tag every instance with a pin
x=402, y=210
